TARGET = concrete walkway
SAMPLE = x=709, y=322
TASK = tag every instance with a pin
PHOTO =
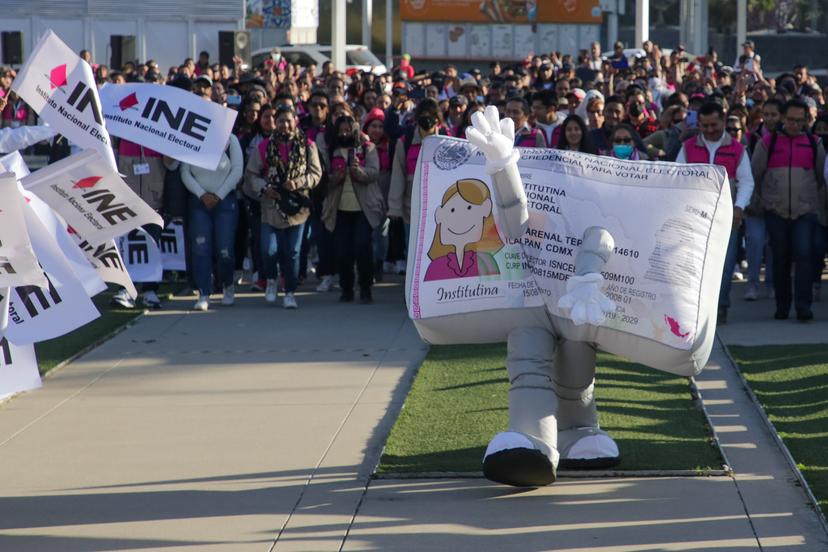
x=254, y=428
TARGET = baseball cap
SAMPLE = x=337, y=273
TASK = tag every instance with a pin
x=205, y=79
x=749, y=43
x=459, y=99
x=578, y=93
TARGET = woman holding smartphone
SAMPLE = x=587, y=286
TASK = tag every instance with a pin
x=354, y=204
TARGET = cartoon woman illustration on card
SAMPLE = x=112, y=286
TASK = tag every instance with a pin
x=466, y=238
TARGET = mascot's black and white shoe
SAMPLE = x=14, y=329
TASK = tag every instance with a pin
x=586, y=448
x=519, y=460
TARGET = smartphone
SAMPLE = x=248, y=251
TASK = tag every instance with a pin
x=692, y=119
x=234, y=100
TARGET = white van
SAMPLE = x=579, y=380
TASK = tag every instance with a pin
x=357, y=57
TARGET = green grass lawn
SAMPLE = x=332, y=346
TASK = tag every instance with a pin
x=459, y=401
x=791, y=383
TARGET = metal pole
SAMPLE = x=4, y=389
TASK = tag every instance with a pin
x=642, y=22
x=367, y=21
x=389, y=34
x=741, y=24
x=338, y=35
x=612, y=29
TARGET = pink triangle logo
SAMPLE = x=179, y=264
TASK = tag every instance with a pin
x=57, y=77
x=129, y=101
x=87, y=182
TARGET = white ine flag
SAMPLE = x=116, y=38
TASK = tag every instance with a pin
x=18, y=369
x=60, y=87
x=106, y=259
x=37, y=314
x=91, y=197
x=171, y=245
x=141, y=256
x=92, y=282
x=168, y=120
x=18, y=263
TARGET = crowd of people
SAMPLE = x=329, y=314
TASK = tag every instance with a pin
x=317, y=179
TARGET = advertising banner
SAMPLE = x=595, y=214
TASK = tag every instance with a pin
x=169, y=120
x=91, y=197
x=502, y=11
x=463, y=263
x=60, y=87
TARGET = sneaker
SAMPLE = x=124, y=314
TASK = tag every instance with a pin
x=150, y=300
x=289, y=301
x=229, y=295
x=400, y=267
x=804, y=316
x=270, y=291
x=238, y=277
x=751, y=294
x=326, y=284
x=388, y=267
x=203, y=303
x=122, y=299
x=738, y=276
x=780, y=315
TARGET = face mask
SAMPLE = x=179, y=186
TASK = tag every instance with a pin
x=426, y=122
x=622, y=151
x=749, y=102
x=480, y=99
x=346, y=141
x=636, y=110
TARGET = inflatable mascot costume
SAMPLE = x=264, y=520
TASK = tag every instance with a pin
x=552, y=344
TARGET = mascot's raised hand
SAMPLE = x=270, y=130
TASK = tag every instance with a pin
x=496, y=139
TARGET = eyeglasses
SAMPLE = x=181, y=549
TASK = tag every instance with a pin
x=622, y=141
x=734, y=130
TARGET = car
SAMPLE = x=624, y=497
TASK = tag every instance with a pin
x=357, y=57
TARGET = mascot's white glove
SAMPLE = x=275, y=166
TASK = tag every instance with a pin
x=495, y=138
x=585, y=300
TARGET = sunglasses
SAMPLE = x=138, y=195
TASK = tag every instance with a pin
x=734, y=130
x=623, y=141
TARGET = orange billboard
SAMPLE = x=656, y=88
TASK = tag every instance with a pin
x=502, y=11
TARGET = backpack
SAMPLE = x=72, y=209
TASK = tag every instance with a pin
x=408, y=137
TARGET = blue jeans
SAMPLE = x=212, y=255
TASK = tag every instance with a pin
x=212, y=231
x=281, y=247
x=792, y=242
x=756, y=239
x=730, y=263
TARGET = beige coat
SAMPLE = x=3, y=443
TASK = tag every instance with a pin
x=255, y=182
x=366, y=187
x=402, y=183
x=149, y=187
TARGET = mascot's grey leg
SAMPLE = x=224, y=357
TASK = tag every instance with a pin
x=581, y=442
x=526, y=455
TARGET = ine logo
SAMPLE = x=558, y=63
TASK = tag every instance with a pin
x=28, y=294
x=5, y=264
x=168, y=242
x=81, y=97
x=5, y=352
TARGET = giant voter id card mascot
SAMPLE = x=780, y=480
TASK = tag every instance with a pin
x=561, y=254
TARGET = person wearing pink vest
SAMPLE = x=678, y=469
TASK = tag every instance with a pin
x=715, y=146
x=788, y=166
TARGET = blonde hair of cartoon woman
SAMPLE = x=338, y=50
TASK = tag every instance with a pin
x=475, y=192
